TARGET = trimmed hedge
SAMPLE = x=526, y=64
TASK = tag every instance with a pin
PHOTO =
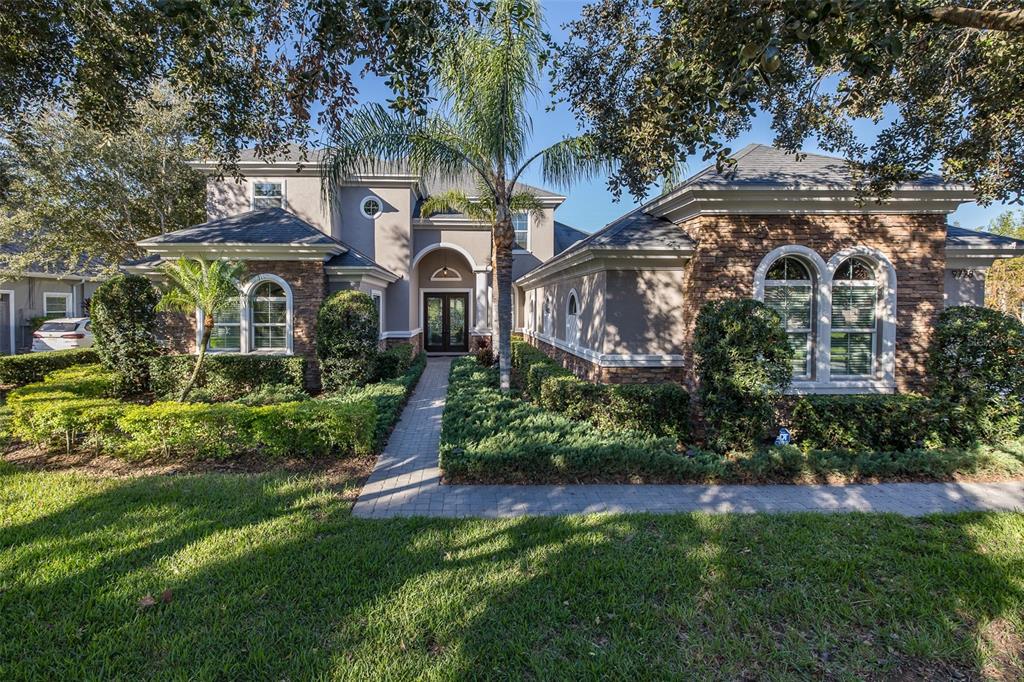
x=224, y=376
x=866, y=422
x=389, y=397
x=74, y=408
x=491, y=437
x=71, y=407
x=656, y=409
x=18, y=370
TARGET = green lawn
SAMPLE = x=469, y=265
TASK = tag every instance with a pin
x=272, y=579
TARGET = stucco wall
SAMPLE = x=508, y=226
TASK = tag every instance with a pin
x=28, y=303
x=591, y=291
x=731, y=247
x=301, y=193
x=644, y=312
x=964, y=287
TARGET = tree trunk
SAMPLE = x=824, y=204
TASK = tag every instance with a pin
x=204, y=342
x=503, y=238
x=1011, y=21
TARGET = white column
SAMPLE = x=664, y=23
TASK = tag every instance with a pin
x=483, y=295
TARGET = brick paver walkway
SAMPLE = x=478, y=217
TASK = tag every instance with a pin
x=406, y=482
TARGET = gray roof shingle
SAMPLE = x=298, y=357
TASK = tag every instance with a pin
x=964, y=238
x=566, y=236
x=762, y=165
x=266, y=226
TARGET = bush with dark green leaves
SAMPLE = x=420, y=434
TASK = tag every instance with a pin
x=123, y=314
x=393, y=362
x=887, y=423
x=224, y=376
x=744, y=365
x=18, y=370
x=273, y=394
x=492, y=437
x=347, y=333
x=389, y=395
x=73, y=408
x=976, y=366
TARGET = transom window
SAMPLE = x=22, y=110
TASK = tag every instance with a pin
x=226, y=335
x=521, y=225
x=789, y=291
x=572, y=321
x=267, y=195
x=268, y=308
x=854, y=318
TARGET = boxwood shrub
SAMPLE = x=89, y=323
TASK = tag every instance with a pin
x=18, y=370
x=224, y=376
x=491, y=437
x=389, y=397
x=657, y=409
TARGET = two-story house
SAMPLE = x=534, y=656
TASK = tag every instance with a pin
x=859, y=283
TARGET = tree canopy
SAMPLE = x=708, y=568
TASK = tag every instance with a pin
x=77, y=196
x=1004, y=282
x=656, y=80
x=254, y=70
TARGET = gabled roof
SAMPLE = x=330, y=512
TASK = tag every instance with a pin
x=265, y=227
x=566, y=236
x=762, y=165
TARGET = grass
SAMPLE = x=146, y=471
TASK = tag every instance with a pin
x=271, y=578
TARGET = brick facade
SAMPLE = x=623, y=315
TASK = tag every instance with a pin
x=731, y=247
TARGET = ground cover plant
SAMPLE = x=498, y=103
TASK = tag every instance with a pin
x=487, y=436
x=268, y=577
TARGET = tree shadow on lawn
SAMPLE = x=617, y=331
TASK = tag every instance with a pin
x=271, y=578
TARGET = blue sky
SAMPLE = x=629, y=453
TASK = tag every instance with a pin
x=590, y=206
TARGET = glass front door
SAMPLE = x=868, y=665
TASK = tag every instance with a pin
x=446, y=327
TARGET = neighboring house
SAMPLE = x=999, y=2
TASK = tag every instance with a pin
x=37, y=293
x=859, y=284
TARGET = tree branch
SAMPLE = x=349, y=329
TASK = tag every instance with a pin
x=983, y=19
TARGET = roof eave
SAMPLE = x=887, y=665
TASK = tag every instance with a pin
x=608, y=257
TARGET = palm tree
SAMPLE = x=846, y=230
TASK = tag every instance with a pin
x=486, y=76
x=209, y=287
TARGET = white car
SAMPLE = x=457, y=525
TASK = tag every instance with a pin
x=63, y=333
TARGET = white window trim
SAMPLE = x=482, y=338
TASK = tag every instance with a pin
x=10, y=318
x=809, y=363
x=362, y=207
x=245, y=317
x=575, y=319
x=454, y=275
x=516, y=248
x=279, y=181
x=884, y=379
x=69, y=302
x=239, y=324
x=378, y=295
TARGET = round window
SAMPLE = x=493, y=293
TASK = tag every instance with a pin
x=371, y=207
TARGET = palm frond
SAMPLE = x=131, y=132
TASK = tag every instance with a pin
x=196, y=284
x=571, y=160
x=480, y=209
x=524, y=202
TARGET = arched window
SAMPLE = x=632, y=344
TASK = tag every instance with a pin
x=546, y=317
x=789, y=291
x=572, y=320
x=268, y=317
x=854, y=333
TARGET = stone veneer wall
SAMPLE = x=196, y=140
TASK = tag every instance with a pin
x=308, y=282
x=585, y=369
x=731, y=247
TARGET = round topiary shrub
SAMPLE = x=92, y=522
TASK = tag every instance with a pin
x=976, y=365
x=123, y=314
x=347, y=329
x=744, y=363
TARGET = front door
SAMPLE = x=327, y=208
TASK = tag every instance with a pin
x=446, y=329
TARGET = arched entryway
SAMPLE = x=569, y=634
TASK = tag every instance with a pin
x=445, y=293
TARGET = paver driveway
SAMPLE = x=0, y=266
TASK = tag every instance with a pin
x=406, y=481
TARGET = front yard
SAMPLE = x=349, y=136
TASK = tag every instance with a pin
x=270, y=578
